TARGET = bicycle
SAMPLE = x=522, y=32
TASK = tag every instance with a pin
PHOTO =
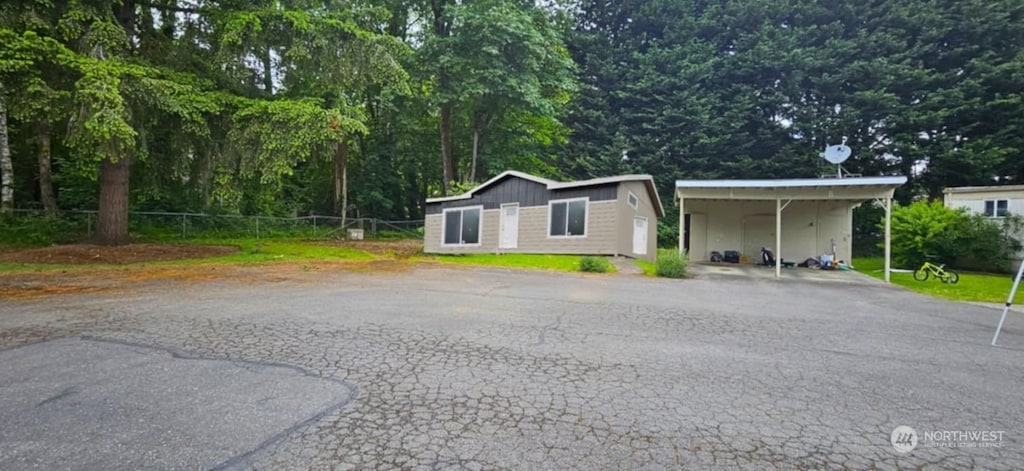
x=938, y=271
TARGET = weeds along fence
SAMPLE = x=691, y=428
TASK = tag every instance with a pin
x=34, y=226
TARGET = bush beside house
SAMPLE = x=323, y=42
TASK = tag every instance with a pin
x=952, y=236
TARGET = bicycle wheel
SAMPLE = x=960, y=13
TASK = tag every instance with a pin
x=952, y=277
x=921, y=274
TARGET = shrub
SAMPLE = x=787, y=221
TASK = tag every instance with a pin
x=954, y=237
x=921, y=229
x=26, y=230
x=595, y=265
x=671, y=264
x=668, y=233
x=985, y=244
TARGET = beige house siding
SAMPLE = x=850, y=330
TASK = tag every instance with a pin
x=626, y=213
x=433, y=231
x=600, y=236
x=974, y=202
x=808, y=228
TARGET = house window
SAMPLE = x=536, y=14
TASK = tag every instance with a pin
x=567, y=218
x=462, y=226
x=633, y=201
x=995, y=208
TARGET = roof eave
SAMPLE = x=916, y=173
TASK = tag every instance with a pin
x=791, y=183
x=982, y=189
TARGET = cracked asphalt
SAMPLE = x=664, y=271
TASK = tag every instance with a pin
x=494, y=369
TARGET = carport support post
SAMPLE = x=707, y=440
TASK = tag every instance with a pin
x=778, y=237
x=682, y=226
x=888, y=237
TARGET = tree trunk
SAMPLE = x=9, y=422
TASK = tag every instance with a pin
x=112, y=223
x=476, y=153
x=442, y=28
x=341, y=181
x=44, y=157
x=6, y=168
x=481, y=123
x=447, y=155
x=268, y=76
x=344, y=183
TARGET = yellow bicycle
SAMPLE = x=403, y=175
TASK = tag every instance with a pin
x=940, y=272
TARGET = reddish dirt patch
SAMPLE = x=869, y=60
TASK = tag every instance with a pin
x=17, y=293
x=120, y=255
x=23, y=286
x=93, y=280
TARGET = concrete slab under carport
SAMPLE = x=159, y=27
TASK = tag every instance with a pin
x=734, y=271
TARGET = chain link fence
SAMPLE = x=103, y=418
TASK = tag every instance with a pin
x=150, y=225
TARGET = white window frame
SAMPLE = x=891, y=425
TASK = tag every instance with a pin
x=636, y=201
x=480, y=226
x=586, y=217
x=995, y=208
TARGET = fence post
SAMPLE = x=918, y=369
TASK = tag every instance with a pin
x=373, y=227
x=182, y=226
x=257, y=227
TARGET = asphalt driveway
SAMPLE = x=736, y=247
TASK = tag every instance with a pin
x=485, y=369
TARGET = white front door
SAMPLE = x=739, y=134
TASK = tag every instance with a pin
x=509, y=226
x=640, y=236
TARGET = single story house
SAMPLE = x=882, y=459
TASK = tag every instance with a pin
x=995, y=202
x=795, y=218
x=517, y=212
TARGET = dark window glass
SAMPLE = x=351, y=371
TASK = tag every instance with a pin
x=577, y=217
x=558, y=219
x=452, y=220
x=1001, y=208
x=990, y=208
x=471, y=226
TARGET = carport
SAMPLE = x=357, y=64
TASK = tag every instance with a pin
x=798, y=217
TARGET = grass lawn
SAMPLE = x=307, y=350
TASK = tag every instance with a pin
x=255, y=251
x=648, y=267
x=983, y=287
x=513, y=260
x=258, y=251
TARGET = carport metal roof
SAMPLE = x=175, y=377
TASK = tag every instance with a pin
x=784, y=191
x=860, y=188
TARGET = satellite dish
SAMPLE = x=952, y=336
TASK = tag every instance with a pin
x=837, y=154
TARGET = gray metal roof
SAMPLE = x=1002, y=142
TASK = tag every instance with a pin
x=982, y=189
x=794, y=182
x=556, y=185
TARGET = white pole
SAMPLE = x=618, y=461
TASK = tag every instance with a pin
x=778, y=237
x=1009, y=301
x=888, y=238
x=682, y=226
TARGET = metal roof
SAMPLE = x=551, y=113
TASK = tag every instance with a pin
x=556, y=185
x=821, y=189
x=794, y=183
x=982, y=189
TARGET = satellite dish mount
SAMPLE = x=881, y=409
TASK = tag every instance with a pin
x=837, y=154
